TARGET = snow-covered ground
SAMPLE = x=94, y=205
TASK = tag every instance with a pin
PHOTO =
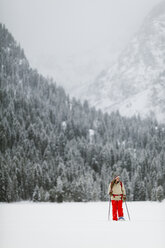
x=80, y=225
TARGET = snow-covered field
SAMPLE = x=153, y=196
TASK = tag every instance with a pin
x=80, y=225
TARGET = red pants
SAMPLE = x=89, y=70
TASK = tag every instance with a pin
x=117, y=208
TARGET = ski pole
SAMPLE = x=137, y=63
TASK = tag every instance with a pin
x=127, y=210
x=109, y=209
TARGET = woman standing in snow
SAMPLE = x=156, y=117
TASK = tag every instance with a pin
x=118, y=195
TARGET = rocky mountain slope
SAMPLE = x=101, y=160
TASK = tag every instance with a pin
x=135, y=84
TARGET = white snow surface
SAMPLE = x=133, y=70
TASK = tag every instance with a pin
x=82, y=225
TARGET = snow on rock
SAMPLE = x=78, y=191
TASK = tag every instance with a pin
x=64, y=125
x=91, y=134
x=135, y=84
x=82, y=225
x=20, y=62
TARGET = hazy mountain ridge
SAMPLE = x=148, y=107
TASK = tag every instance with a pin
x=135, y=84
x=77, y=70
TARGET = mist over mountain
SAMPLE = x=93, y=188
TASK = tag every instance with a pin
x=72, y=41
x=135, y=83
x=78, y=69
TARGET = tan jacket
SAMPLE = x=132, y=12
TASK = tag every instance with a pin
x=117, y=190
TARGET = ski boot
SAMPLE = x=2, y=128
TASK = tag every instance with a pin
x=121, y=218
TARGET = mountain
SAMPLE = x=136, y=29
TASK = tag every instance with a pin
x=54, y=148
x=135, y=84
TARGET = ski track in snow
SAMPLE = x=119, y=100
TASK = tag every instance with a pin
x=82, y=225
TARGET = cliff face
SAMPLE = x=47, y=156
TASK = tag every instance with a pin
x=135, y=84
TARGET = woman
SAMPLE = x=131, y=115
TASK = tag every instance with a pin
x=118, y=195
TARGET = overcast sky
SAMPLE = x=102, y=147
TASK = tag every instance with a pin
x=64, y=28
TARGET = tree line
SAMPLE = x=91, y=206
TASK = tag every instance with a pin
x=54, y=148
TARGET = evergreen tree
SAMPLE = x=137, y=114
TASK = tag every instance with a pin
x=36, y=194
x=159, y=193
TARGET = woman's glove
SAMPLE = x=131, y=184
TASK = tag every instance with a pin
x=124, y=198
x=110, y=193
